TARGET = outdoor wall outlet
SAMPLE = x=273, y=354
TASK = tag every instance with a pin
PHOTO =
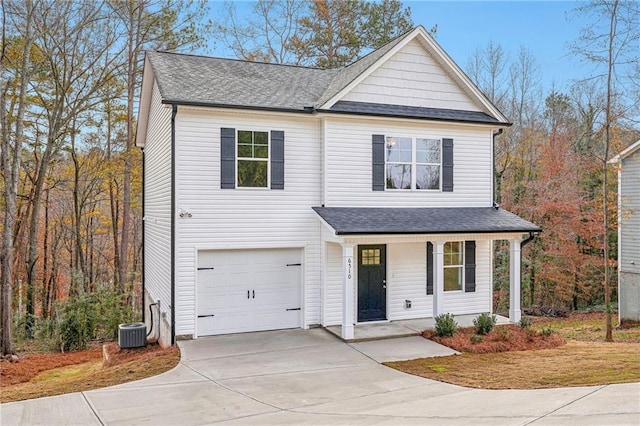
x=407, y=304
x=158, y=303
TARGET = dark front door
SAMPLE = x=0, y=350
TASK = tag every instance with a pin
x=372, y=283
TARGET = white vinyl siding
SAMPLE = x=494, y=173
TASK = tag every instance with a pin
x=244, y=218
x=333, y=285
x=412, y=77
x=629, y=234
x=157, y=203
x=630, y=214
x=349, y=164
x=461, y=303
x=407, y=280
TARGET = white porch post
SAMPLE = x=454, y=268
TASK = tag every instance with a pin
x=514, y=281
x=348, y=268
x=438, y=275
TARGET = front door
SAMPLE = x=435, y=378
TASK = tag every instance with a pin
x=372, y=283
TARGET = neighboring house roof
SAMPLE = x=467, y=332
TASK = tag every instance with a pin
x=359, y=221
x=626, y=152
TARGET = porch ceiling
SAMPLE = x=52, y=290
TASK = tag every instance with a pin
x=460, y=220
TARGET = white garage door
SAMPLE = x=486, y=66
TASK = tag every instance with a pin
x=249, y=290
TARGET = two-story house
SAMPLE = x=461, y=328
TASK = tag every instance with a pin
x=288, y=197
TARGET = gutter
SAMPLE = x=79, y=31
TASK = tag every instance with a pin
x=493, y=163
x=174, y=112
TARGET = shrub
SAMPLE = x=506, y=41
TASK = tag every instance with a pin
x=446, y=326
x=77, y=323
x=504, y=334
x=484, y=323
x=475, y=339
x=111, y=310
x=85, y=317
x=525, y=322
x=547, y=332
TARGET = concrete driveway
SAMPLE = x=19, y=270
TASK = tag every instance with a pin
x=310, y=377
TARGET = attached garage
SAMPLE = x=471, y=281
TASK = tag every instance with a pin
x=249, y=290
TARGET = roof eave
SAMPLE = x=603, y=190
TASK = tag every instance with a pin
x=466, y=231
x=240, y=107
x=412, y=117
x=630, y=150
x=144, y=104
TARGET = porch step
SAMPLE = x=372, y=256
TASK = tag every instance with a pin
x=371, y=332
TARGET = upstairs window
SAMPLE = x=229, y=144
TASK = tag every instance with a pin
x=412, y=163
x=253, y=159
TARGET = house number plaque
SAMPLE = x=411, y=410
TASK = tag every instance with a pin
x=349, y=262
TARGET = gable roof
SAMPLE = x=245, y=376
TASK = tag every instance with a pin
x=201, y=80
x=350, y=73
x=231, y=83
x=626, y=152
x=361, y=221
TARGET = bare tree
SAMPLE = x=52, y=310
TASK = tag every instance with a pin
x=11, y=146
x=147, y=24
x=266, y=35
x=611, y=47
x=76, y=42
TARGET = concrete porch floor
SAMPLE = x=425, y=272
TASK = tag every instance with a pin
x=402, y=328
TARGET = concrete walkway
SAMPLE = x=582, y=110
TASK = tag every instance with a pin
x=310, y=377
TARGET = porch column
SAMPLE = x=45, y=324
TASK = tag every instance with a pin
x=438, y=275
x=514, y=281
x=348, y=268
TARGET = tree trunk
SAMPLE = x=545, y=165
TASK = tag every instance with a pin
x=11, y=168
x=605, y=180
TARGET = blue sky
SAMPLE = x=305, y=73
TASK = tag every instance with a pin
x=546, y=28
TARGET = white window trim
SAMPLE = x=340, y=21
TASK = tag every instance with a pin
x=413, y=164
x=462, y=266
x=268, y=160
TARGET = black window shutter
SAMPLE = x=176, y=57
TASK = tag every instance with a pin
x=469, y=266
x=378, y=163
x=429, y=268
x=447, y=165
x=227, y=158
x=277, y=159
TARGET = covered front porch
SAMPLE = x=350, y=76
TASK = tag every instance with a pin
x=402, y=328
x=393, y=270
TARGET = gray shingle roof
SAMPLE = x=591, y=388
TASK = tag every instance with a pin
x=412, y=112
x=358, y=221
x=202, y=80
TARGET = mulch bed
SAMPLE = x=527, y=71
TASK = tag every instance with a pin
x=30, y=365
x=503, y=338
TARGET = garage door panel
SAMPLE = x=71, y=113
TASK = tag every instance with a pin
x=249, y=290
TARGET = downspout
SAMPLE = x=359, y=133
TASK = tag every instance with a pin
x=493, y=163
x=143, y=219
x=174, y=112
x=527, y=240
